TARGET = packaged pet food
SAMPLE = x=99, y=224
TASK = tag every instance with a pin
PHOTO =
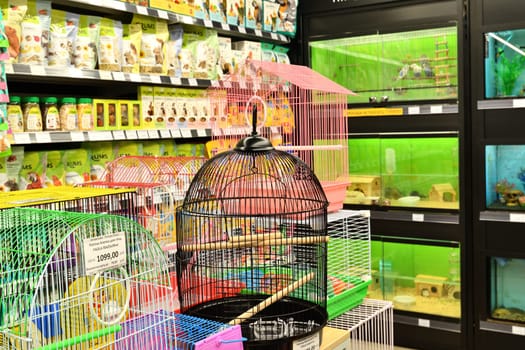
x=32, y=170
x=173, y=49
x=13, y=12
x=201, y=9
x=254, y=14
x=204, y=44
x=271, y=15
x=131, y=41
x=31, y=51
x=152, y=148
x=10, y=167
x=85, y=49
x=43, y=8
x=100, y=153
x=62, y=35
x=110, y=45
x=54, y=174
x=76, y=166
x=235, y=12
x=152, y=48
x=217, y=10
x=287, y=17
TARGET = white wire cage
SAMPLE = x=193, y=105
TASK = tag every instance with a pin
x=69, y=280
x=349, y=260
x=371, y=325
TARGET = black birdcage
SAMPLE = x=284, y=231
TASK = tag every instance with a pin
x=251, y=241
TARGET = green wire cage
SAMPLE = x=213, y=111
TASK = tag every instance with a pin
x=71, y=280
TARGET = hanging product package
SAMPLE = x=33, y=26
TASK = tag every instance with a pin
x=173, y=48
x=32, y=171
x=54, y=173
x=76, y=166
x=100, y=153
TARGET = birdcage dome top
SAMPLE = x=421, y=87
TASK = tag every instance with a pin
x=254, y=180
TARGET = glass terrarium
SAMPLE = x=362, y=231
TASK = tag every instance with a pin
x=507, y=289
x=505, y=177
x=403, y=66
x=505, y=64
x=422, y=277
x=420, y=172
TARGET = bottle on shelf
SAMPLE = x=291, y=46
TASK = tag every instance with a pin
x=32, y=114
x=85, y=113
x=15, y=116
x=68, y=114
x=50, y=114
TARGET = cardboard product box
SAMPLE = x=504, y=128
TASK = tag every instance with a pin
x=271, y=15
x=181, y=105
x=124, y=117
x=181, y=6
x=147, y=107
x=235, y=12
x=254, y=14
x=335, y=339
x=225, y=64
x=111, y=111
x=171, y=105
x=217, y=10
x=287, y=20
x=201, y=9
x=252, y=49
x=136, y=114
x=160, y=105
x=99, y=116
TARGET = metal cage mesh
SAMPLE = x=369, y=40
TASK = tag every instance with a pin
x=252, y=228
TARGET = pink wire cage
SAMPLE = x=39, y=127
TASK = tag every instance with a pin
x=303, y=113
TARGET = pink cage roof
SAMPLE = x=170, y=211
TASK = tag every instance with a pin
x=301, y=76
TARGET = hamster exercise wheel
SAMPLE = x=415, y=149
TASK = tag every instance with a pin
x=70, y=280
x=251, y=245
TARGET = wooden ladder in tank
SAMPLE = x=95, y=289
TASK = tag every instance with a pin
x=441, y=59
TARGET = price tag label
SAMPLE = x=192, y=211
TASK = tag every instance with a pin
x=175, y=133
x=215, y=83
x=118, y=5
x=208, y=23
x=192, y=82
x=22, y=138
x=163, y=14
x=242, y=30
x=175, y=81
x=275, y=36
x=9, y=68
x=307, y=343
x=165, y=134
x=119, y=76
x=155, y=79
x=104, y=253
x=131, y=134
x=418, y=217
x=436, y=109
x=142, y=134
x=77, y=136
x=186, y=133
x=135, y=77
x=421, y=322
x=227, y=131
x=119, y=135
x=38, y=70
x=141, y=10
x=518, y=103
x=106, y=75
x=43, y=137
x=518, y=330
x=153, y=134
x=225, y=26
x=100, y=136
x=258, y=32
x=516, y=217
x=414, y=110
x=201, y=133
x=227, y=84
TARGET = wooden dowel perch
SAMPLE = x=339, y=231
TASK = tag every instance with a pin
x=253, y=243
x=272, y=299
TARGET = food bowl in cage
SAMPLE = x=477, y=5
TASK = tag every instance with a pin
x=256, y=216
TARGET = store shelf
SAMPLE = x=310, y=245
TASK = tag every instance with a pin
x=113, y=6
x=501, y=104
x=502, y=328
x=60, y=73
x=114, y=135
x=409, y=110
x=428, y=323
x=502, y=216
x=440, y=218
